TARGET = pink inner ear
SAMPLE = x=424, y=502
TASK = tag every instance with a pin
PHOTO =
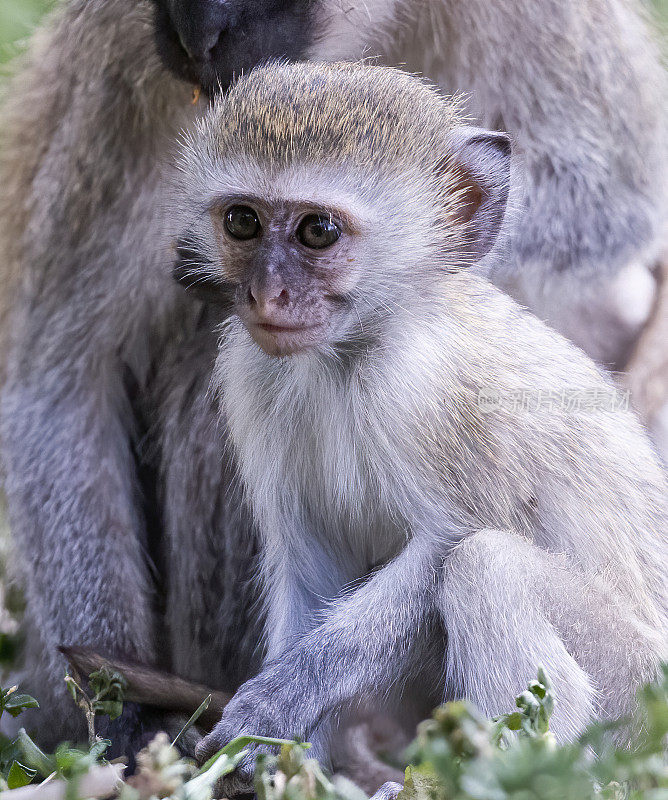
x=470, y=196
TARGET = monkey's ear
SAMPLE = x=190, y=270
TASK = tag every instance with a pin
x=482, y=165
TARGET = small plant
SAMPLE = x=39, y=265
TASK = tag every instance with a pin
x=66, y=762
x=14, y=703
x=532, y=719
x=13, y=772
x=107, y=691
x=22, y=761
x=458, y=755
x=293, y=776
x=162, y=773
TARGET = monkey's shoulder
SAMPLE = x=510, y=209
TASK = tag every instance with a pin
x=470, y=336
x=481, y=372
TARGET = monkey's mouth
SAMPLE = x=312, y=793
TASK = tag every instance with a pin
x=285, y=340
x=267, y=326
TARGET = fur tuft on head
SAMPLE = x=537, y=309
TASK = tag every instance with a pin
x=333, y=113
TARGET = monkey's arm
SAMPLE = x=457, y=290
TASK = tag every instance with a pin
x=365, y=643
x=494, y=609
x=580, y=86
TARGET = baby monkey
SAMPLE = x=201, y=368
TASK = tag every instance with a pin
x=449, y=493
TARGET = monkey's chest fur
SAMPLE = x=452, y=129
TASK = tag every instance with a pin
x=328, y=455
x=308, y=457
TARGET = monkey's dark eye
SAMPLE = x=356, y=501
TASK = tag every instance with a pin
x=318, y=231
x=242, y=222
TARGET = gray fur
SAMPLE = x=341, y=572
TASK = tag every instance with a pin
x=388, y=791
x=407, y=526
x=108, y=363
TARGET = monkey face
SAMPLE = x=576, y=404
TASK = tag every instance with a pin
x=303, y=263
x=288, y=268
x=208, y=42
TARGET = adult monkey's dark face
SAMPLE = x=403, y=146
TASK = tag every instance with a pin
x=208, y=42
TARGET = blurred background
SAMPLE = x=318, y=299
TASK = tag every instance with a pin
x=19, y=17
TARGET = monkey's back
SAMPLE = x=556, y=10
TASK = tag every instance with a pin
x=528, y=433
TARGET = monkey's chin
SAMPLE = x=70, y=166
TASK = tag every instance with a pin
x=282, y=341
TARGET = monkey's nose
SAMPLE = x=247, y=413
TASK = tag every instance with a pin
x=264, y=297
x=200, y=28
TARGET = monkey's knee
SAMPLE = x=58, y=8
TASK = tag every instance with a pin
x=485, y=540
x=603, y=315
x=487, y=554
x=498, y=634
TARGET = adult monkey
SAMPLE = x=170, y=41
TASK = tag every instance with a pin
x=110, y=445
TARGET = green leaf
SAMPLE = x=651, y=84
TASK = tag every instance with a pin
x=15, y=704
x=513, y=721
x=420, y=784
x=71, y=762
x=235, y=747
x=193, y=719
x=537, y=688
x=71, y=686
x=9, y=751
x=98, y=749
x=19, y=775
x=201, y=786
x=107, y=684
x=112, y=708
x=34, y=757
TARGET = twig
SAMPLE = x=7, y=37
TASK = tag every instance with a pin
x=152, y=687
x=83, y=701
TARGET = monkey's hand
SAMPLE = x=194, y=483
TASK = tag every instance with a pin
x=253, y=711
x=361, y=645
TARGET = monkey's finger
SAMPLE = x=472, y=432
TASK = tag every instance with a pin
x=206, y=747
x=219, y=737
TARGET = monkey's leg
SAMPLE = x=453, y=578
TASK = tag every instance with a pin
x=71, y=495
x=498, y=633
x=603, y=313
x=509, y=606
